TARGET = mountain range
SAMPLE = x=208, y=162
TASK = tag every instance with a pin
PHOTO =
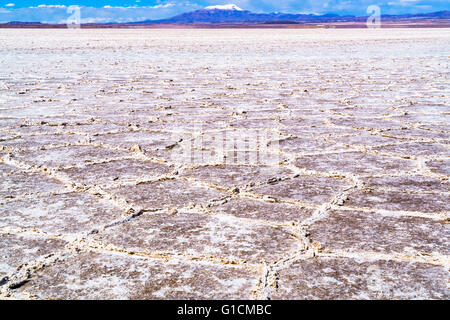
x=232, y=14
x=222, y=16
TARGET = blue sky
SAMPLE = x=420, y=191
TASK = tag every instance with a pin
x=55, y=11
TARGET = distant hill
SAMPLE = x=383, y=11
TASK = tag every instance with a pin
x=22, y=23
x=234, y=14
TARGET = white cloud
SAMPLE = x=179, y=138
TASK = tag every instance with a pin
x=50, y=6
x=403, y=3
x=10, y=5
x=58, y=13
x=158, y=6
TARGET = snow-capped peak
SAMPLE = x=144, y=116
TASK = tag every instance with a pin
x=224, y=7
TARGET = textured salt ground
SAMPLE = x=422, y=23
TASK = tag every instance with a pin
x=365, y=140
x=415, y=183
x=17, y=249
x=27, y=142
x=367, y=231
x=305, y=145
x=337, y=278
x=259, y=209
x=74, y=156
x=99, y=199
x=198, y=234
x=116, y=171
x=146, y=140
x=400, y=200
x=112, y=276
x=236, y=175
x=16, y=183
x=165, y=194
x=354, y=162
x=307, y=189
x=420, y=149
x=413, y=133
x=439, y=166
x=60, y=213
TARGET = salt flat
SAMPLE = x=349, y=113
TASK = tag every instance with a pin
x=241, y=164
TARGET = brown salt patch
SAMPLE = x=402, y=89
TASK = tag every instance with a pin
x=416, y=148
x=166, y=194
x=187, y=127
x=201, y=234
x=308, y=113
x=6, y=169
x=145, y=139
x=68, y=213
x=413, y=133
x=307, y=145
x=309, y=189
x=359, y=111
x=92, y=128
x=33, y=129
x=196, y=110
x=15, y=183
x=428, y=119
x=411, y=182
x=69, y=156
x=363, y=139
x=236, y=175
x=439, y=166
x=261, y=210
x=16, y=249
x=362, y=231
x=428, y=107
x=254, y=124
x=261, y=158
x=367, y=124
x=302, y=121
x=105, y=115
x=436, y=127
x=111, y=276
x=181, y=154
x=189, y=118
x=186, y=153
x=38, y=141
x=341, y=278
x=61, y=119
x=34, y=112
x=316, y=131
x=427, y=202
x=354, y=162
x=117, y=171
x=10, y=123
x=268, y=114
